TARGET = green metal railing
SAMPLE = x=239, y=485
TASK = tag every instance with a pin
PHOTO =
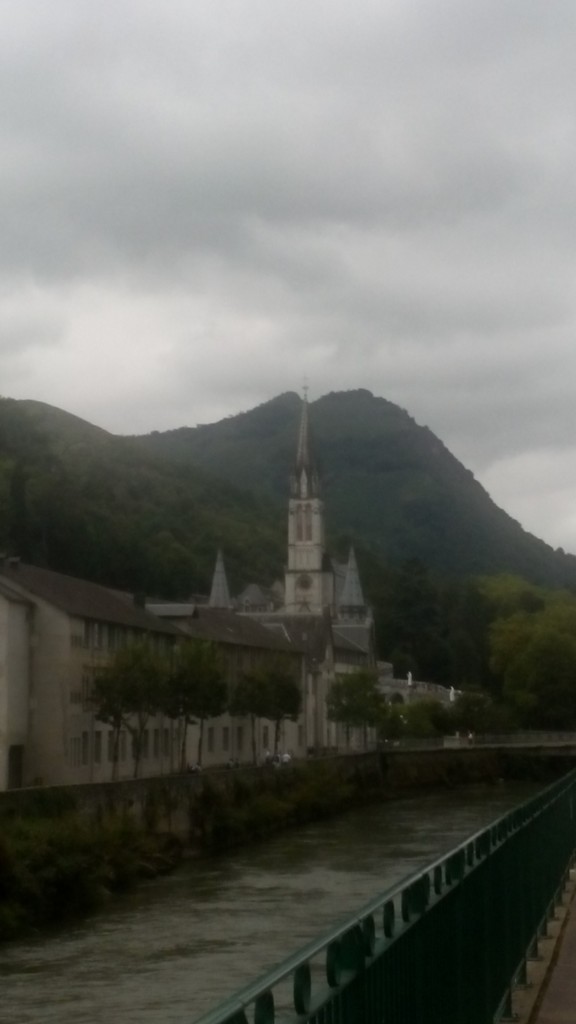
x=446, y=946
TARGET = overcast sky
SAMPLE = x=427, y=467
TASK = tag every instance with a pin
x=204, y=202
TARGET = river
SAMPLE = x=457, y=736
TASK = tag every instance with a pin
x=178, y=945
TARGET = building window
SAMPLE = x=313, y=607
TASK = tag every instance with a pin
x=299, y=523
x=123, y=745
x=308, y=523
x=225, y=738
x=300, y=735
x=110, y=746
x=87, y=688
x=265, y=737
x=85, y=747
x=145, y=744
x=239, y=739
x=75, y=750
x=156, y=753
x=98, y=747
x=166, y=750
x=210, y=739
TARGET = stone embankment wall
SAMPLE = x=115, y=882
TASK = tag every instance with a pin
x=220, y=808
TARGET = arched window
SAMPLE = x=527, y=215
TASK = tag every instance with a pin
x=299, y=523
x=308, y=522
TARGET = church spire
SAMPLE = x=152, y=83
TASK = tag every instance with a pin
x=304, y=481
x=351, y=597
x=219, y=593
x=308, y=581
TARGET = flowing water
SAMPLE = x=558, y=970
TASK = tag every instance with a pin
x=182, y=943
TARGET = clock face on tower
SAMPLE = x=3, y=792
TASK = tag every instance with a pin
x=304, y=582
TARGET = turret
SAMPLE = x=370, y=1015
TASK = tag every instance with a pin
x=219, y=592
x=351, y=601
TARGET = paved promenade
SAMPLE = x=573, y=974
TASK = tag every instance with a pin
x=558, y=998
x=550, y=997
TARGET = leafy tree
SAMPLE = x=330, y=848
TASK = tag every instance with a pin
x=474, y=711
x=251, y=700
x=509, y=594
x=535, y=655
x=426, y=718
x=283, y=698
x=391, y=721
x=195, y=690
x=126, y=693
x=111, y=707
x=198, y=687
x=355, y=701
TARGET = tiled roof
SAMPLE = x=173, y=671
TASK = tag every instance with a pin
x=80, y=597
x=353, y=636
x=172, y=609
x=310, y=633
x=11, y=594
x=224, y=626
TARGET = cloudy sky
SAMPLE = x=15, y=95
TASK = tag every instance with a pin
x=202, y=202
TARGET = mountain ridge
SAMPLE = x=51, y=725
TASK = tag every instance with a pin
x=390, y=486
x=417, y=499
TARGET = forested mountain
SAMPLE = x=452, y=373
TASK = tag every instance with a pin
x=389, y=484
x=82, y=501
x=146, y=514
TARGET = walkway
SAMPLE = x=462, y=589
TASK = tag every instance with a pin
x=550, y=997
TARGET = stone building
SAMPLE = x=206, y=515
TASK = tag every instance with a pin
x=56, y=633
x=246, y=647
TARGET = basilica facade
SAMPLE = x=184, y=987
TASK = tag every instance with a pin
x=319, y=606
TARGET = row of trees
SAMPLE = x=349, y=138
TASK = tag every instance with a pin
x=520, y=672
x=190, y=687
x=356, y=702
x=528, y=642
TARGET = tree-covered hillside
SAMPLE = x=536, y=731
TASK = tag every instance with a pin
x=82, y=501
x=147, y=514
x=389, y=484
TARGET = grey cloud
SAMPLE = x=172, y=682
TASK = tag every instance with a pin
x=378, y=194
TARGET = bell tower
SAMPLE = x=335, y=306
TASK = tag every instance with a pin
x=309, y=581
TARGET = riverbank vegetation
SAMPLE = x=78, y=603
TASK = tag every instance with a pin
x=58, y=864
x=256, y=806
x=60, y=860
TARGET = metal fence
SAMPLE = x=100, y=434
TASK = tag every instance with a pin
x=513, y=739
x=444, y=947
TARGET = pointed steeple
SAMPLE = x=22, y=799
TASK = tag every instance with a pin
x=352, y=596
x=219, y=593
x=304, y=481
x=308, y=580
